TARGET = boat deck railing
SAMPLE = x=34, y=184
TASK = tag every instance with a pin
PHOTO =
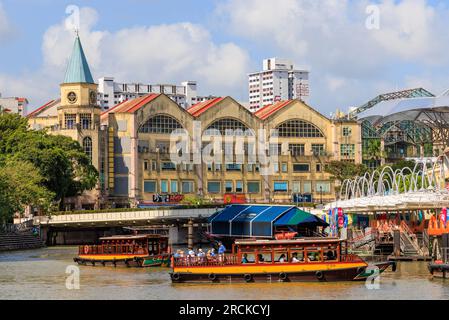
x=111, y=249
x=226, y=260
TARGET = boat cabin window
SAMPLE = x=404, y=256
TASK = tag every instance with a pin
x=314, y=254
x=264, y=257
x=248, y=257
x=281, y=256
x=330, y=253
x=297, y=256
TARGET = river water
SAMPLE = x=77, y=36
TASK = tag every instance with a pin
x=41, y=274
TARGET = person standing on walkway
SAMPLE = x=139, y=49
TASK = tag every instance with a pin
x=221, y=251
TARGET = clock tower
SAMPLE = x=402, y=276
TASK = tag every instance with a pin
x=79, y=113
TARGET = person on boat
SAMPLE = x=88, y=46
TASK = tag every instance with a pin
x=260, y=257
x=221, y=251
x=201, y=255
x=295, y=257
x=245, y=258
x=282, y=258
x=330, y=255
x=177, y=254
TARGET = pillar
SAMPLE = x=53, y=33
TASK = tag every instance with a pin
x=190, y=234
x=397, y=243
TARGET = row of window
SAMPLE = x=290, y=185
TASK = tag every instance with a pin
x=164, y=124
x=85, y=121
x=229, y=186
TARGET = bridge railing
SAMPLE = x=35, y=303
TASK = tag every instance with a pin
x=123, y=216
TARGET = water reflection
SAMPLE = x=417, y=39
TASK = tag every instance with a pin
x=40, y=274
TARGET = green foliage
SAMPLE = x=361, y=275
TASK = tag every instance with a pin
x=195, y=201
x=403, y=164
x=372, y=150
x=61, y=162
x=21, y=185
x=342, y=170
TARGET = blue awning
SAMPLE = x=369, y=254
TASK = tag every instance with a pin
x=247, y=220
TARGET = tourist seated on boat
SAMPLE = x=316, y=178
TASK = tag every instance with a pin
x=282, y=258
x=330, y=255
x=312, y=256
x=295, y=258
x=177, y=254
x=245, y=258
x=201, y=255
x=260, y=258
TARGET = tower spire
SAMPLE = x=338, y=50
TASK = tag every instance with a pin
x=78, y=70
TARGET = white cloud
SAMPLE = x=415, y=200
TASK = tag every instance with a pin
x=168, y=53
x=349, y=62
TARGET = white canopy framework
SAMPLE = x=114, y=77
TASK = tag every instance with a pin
x=384, y=190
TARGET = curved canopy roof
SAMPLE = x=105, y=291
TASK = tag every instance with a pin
x=422, y=109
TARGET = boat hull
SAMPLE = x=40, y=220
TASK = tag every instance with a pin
x=291, y=273
x=136, y=261
x=439, y=270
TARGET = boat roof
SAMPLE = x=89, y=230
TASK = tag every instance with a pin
x=133, y=237
x=292, y=241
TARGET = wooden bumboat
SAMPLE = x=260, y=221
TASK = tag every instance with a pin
x=146, y=250
x=316, y=259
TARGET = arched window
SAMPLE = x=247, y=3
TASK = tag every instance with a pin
x=160, y=124
x=87, y=147
x=298, y=129
x=228, y=124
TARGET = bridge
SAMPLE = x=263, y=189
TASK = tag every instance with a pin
x=85, y=228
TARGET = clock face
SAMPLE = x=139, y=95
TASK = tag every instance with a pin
x=93, y=97
x=72, y=97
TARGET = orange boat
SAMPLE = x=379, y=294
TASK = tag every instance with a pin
x=309, y=259
x=146, y=250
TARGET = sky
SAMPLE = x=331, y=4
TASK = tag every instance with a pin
x=355, y=50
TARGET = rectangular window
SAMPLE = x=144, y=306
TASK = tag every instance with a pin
x=323, y=186
x=86, y=120
x=347, y=132
x=307, y=187
x=149, y=186
x=239, y=187
x=209, y=167
x=153, y=165
x=319, y=167
x=296, y=149
x=280, y=186
x=213, y=187
x=250, y=168
x=187, y=187
x=284, y=167
x=70, y=120
x=276, y=167
x=164, y=186
x=301, y=167
x=218, y=167
x=296, y=187
x=275, y=149
x=168, y=166
x=145, y=165
x=228, y=186
x=347, y=150
x=233, y=167
x=174, y=186
x=318, y=149
x=253, y=186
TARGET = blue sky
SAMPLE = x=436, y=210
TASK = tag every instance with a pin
x=218, y=42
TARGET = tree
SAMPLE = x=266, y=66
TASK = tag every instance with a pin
x=21, y=185
x=342, y=170
x=373, y=150
x=65, y=168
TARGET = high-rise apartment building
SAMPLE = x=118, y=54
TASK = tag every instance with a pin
x=14, y=105
x=278, y=81
x=111, y=93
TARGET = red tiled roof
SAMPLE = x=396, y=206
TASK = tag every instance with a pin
x=199, y=108
x=267, y=111
x=22, y=99
x=42, y=108
x=131, y=106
